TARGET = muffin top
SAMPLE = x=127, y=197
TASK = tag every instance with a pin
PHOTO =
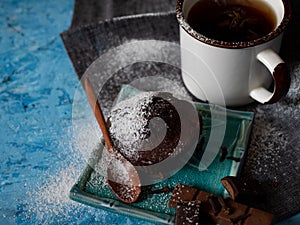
x=147, y=128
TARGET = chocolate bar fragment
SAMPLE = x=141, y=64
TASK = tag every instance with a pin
x=225, y=215
x=182, y=193
x=219, y=210
x=232, y=186
x=188, y=213
x=260, y=217
x=241, y=190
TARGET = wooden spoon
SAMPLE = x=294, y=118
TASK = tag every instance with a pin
x=122, y=177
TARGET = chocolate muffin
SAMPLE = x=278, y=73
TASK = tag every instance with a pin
x=153, y=126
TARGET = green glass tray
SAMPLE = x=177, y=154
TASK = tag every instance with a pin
x=91, y=188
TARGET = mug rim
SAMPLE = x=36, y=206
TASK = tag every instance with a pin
x=238, y=44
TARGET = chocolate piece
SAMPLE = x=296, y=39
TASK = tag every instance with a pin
x=226, y=209
x=237, y=215
x=182, y=193
x=222, y=217
x=260, y=218
x=215, y=205
x=219, y=210
x=231, y=186
x=205, y=206
x=242, y=190
x=239, y=219
x=188, y=213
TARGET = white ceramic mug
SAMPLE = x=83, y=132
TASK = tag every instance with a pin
x=234, y=73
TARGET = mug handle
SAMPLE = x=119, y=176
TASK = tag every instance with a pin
x=281, y=77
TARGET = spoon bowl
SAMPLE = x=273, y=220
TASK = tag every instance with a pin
x=123, y=179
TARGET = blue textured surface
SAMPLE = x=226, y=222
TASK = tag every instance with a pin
x=37, y=84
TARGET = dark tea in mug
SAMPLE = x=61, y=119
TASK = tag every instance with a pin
x=232, y=20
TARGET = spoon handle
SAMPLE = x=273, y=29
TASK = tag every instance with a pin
x=98, y=114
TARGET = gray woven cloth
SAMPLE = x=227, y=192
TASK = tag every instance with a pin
x=90, y=11
x=273, y=157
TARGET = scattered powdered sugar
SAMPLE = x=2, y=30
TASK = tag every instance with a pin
x=49, y=201
x=145, y=64
x=273, y=156
x=99, y=174
x=163, y=84
x=275, y=135
x=265, y=152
